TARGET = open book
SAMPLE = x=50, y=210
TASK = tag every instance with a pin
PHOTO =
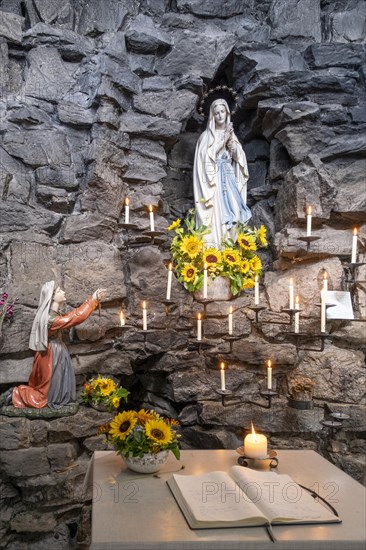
x=245, y=498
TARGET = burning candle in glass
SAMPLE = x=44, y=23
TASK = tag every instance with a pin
x=269, y=374
x=205, y=281
x=230, y=320
x=256, y=291
x=308, y=222
x=169, y=285
x=325, y=281
x=127, y=210
x=152, y=224
x=222, y=375
x=297, y=315
x=199, y=326
x=144, y=316
x=291, y=293
x=354, y=246
x=255, y=445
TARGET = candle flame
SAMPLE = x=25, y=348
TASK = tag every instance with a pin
x=199, y=316
x=127, y=201
x=170, y=266
x=122, y=317
x=222, y=366
x=355, y=231
x=269, y=363
x=291, y=281
x=309, y=210
x=297, y=300
x=144, y=305
x=230, y=309
x=205, y=266
x=325, y=275
x=253, y=431
x=151, y=208
x=256, y=278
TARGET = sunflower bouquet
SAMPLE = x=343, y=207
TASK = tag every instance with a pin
x=103, y=391
x=236, y=259
x=144, y=432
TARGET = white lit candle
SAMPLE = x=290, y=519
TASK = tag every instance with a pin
x=169, y=285
x=256, y=291
x=127, y=210
x=291, y=293
x=308, y=223
x=222, y=374
x=205, y=281
x=354, y=246
x=325, y=281
x=269, y=374
x=144, y=316
x=255, y=445
x=297, y=315
x=122, y=319
x=230, y=320
x=199, y=327
x=152, y=224
x=322, y=311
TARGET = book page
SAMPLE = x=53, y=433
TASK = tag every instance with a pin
x=280, y=498
x=215, y=497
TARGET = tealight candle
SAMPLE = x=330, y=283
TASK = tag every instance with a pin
x=122, y=319
x=205, y=281
x=230, y=320
x=297, y=315
x=199, y=326
x=152, y=224
x=222, y=374
x=308, y=223
x=325, y=281
x=169, y=285
x=354, y=246
x=144, y=316
x=291, y=293
x=269, y=374
x=256, y=291
x=255, y=445
x=127, y=210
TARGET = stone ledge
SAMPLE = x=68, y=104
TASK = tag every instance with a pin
x=45, y=412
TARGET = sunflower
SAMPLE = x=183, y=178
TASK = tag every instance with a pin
x=115, y=402
x=262, y=235
x=123, y=424
x=245, y=266
x=211, y=257
x=189, y=273
x=256, y=263
x=174, y=225
x=231, y=256
x=143, y=416
x=248, y=283
x=191, y=246
x=159, y=432
x=247, y=242
x=106, y=385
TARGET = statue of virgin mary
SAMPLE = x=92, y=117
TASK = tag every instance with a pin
x=220, y=175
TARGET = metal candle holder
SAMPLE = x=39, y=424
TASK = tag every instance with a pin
x=308, y=240
x=336, y=420
x=266, y=394
x=270, y=461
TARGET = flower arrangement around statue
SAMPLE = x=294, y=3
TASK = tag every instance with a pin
x=6, y=308
x=143, y=439
x=301, y=393
x=234, y=259
x=103, y=393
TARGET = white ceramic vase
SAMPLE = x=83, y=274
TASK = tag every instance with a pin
x=147, y=464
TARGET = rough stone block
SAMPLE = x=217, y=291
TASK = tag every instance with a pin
x=88, y=227
x=27, y=217
x=178, y=105
x=15, y=370
x=335, y=55
x=25, y=462
x=14, y=433
x=348, y=25
x=143, y=36
x=207, y=8
x=62, y=455
x=149, y=126
x=295, y=19
x=108, y=16
x=33, y=522
x=11, y=26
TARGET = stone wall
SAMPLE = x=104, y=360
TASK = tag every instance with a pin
x=98, y=101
